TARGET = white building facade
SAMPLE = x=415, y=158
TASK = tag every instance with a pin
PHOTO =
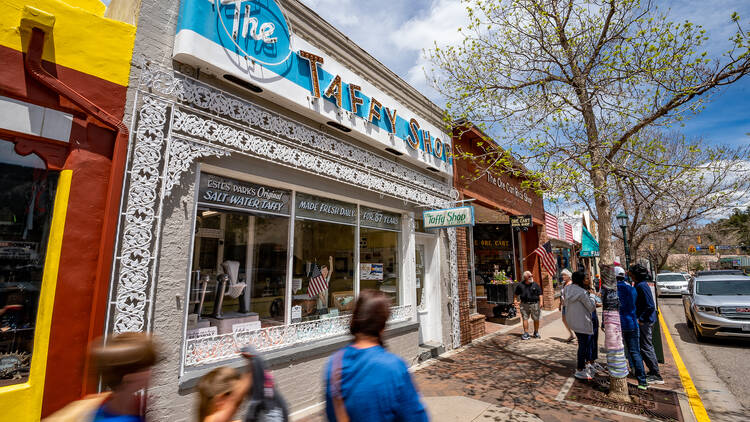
x=275, y=170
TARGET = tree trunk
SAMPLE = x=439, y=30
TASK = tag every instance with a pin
x=618, y=389
x=618, y=386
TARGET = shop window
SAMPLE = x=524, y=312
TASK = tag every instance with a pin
x=379, y=242
x=493, y=252
x=323, y=266
x=239, y=257
x=26, y=203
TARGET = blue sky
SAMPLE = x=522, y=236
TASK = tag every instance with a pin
x=396, y=32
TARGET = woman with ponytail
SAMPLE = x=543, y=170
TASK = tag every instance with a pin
x=364, y=382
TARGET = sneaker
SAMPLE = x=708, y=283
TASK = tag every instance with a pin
x=537, y=335
x=591, y=370
x=525, y=336
x=643, y=387
x=583, y=374
x=597, y=367
x=655, y=379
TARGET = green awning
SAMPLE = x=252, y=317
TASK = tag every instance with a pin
x=589, y=245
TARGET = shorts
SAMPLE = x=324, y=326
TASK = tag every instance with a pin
x=530, y=310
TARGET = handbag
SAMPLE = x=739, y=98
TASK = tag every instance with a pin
x=339, y=408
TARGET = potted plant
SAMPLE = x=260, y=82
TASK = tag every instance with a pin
x=500, y=289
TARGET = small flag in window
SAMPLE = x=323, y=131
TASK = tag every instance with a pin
x=317, y=282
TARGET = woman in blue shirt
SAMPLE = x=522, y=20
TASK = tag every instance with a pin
x=364, y=382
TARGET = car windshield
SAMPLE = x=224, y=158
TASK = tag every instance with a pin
x=724, y=287
x=670, y=277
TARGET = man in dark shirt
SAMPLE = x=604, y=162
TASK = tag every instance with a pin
x=530, y=295
x=645, y=311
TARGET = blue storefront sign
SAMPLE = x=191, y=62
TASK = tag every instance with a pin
x=250, y=40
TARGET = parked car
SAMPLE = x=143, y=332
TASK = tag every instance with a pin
x=718, y=305
x=720, y=272
x=671, y=284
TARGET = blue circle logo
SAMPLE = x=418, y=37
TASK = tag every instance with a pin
x=257, y=28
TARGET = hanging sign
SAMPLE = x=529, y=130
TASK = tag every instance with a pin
x=231, y=193
x=451, y=217
x=249, y=42
x=521, y=222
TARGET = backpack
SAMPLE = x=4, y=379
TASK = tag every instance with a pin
x=266, y=404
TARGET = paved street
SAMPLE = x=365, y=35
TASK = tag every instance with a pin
x=719, y=368
x=503, y=378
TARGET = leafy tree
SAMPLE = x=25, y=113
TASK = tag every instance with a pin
x=739, y=221
x=672, y=188
x=573, y=82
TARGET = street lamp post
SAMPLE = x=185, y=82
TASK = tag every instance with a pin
x=622, y=221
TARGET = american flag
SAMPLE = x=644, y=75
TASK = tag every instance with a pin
x=317, y=283
x=550, y=225
x=569, y=232
x=546, y=258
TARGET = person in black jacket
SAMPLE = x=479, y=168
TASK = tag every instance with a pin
x=645, y=310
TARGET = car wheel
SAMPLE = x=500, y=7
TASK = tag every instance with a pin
x=697, y=332
x=689, y=321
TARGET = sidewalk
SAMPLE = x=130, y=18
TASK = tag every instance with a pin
x=503, y=378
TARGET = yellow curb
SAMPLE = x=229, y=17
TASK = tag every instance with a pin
x=693, y=397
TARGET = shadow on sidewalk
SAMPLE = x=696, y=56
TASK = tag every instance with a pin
x=520, y=375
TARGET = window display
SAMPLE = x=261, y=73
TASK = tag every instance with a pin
x=493, y=253
x=239, y=263
x=26, y=203
x=379, y=252
x=323, y=266
x=243, y=271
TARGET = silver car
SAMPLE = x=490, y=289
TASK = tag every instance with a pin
x=718, y=305
x=671, y=284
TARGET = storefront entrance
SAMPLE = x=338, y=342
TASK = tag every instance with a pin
x=428, y=288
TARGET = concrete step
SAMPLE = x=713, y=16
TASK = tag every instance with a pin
x=430, y=350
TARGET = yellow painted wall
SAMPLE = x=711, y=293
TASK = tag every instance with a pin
x=82, y=39
x=23, y=402
x=94, y=6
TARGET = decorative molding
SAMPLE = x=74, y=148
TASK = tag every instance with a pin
x=455, y=317
x=212, y=349
x=181, y=155
x=136, y=255
x=190, y=92
x=201, y=128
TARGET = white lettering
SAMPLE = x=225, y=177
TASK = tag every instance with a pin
x=513, y=190
x=250, y=27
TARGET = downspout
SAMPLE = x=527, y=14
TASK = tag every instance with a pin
x=33, y=64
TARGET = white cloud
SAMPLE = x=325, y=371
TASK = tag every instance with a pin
x=439, y=26
x=396, y=32
x=713, y=16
